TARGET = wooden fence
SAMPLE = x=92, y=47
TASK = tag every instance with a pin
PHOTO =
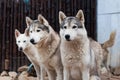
x=12, y=16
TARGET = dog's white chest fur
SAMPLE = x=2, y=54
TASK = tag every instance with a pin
x=32, y=54
x=74, y=53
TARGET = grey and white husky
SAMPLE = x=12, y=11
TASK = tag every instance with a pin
x=47, y=41
x=78, y=52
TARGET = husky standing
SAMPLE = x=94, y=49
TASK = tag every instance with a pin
x=106, y=53
x=24, y=44
x=47, y=41
x=77, y=51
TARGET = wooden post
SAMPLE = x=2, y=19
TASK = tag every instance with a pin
x=6, y=64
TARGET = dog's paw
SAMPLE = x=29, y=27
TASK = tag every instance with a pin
x=104, y=70
x=94, y=77
x=12, y=74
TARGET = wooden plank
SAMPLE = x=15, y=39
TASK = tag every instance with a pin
x=7, y=35
x=15, y=49
x=11, y=33
x=3, y=38
x=1, y=23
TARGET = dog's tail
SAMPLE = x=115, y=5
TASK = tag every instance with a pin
x=110, y=42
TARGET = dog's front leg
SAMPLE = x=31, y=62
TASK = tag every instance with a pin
x=37, y=69
x=59, y=71
x=43, y=73
x=85, y=74
x=51, y=74
x=66, y=73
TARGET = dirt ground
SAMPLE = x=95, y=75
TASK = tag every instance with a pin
x=25, y=77
x=9, y=78
x=104, y=77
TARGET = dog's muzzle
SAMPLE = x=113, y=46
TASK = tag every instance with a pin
x=32, y=41
x=67, y=37
x=20, y=49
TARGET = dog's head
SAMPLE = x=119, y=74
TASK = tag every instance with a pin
x=38, y=29
x=72, y=27
x=22, y=40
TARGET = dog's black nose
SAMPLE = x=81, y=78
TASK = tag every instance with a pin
x=67, y=37
x=32, y=40
x=20, y=49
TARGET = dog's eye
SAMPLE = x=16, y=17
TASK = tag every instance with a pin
x=64, y=27
x=74, y=27
x=38, y=30
x=24, y=41
x=18, y=41
x=31, y=31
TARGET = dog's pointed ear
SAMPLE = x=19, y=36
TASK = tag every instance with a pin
x=26, y=32
x=62, y=16
x=28, y=21
x=42, y=20
x=17, y=33
x=80, y=16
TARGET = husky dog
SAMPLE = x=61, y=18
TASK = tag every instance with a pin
x=107, y=44
x=77, y=50
x=23, y=43
x=47, y=41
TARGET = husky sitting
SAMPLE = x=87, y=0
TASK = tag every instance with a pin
x=47, y=41
x=78, y=52
x=24, y=44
